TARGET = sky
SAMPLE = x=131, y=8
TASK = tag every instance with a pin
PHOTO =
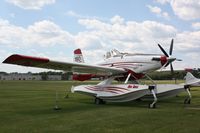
x=54, y=28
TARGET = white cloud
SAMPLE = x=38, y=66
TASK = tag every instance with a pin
x=94, y=24
x=154, y=9
x=117, y=20
x=31, y=4
x=165, y=15
x=81, y=16
x=88, y=40
x=196, y=26
x=129, y=34
x=188, y=41
x=162, y=1
x=158, y=11
x=100, y=36
x=44, y=33
x=74, y=14
x=184, y=9
x=48, y=34
x=10, y=33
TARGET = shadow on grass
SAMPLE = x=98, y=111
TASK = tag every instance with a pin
x=85, y=105
x=75, y=104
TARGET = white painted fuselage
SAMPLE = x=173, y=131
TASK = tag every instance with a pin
x=137, y=63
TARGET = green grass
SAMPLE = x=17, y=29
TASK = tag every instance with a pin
x=27, y=107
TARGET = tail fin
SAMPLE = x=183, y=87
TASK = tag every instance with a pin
x=78, y=57
x=191, y=80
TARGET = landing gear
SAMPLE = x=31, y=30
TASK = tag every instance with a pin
x=153, y=104
x=188, y=99
x=99, y=101
x=152, y=89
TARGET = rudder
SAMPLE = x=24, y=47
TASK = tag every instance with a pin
x=78, y=57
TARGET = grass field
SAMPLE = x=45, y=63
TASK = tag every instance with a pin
x=27, y=107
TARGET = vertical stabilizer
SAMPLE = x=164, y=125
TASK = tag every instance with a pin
x=78, y=57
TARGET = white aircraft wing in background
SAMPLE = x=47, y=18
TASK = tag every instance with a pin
x=191, y=80
x=30, y=61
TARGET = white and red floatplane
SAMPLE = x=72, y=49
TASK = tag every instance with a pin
x=118, y=66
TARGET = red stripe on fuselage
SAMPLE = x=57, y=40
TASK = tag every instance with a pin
x=107, y=89
x=101, y=90
x=115, y=63
x=97, y=87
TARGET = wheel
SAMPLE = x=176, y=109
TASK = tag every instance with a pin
x=189, y=101
x=139, y=99
x=185, y=101
x=103, y=102
x=152, y=106
x=99, y=101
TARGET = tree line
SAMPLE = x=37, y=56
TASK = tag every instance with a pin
x=163, y=75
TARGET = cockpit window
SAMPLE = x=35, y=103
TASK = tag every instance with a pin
x=112, y=53
x=108, y=55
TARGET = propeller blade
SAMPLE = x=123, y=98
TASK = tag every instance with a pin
x=179, y=60
x=156, y=59
x=171, y=47
x=167, y=64
x=163, y=67
x=164, y=52
x=172, y=69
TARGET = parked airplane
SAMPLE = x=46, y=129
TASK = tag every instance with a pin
x=115, y=66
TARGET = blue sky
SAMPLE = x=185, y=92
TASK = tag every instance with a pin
x=54, y=28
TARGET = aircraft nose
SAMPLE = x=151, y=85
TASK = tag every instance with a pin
x=163, y=60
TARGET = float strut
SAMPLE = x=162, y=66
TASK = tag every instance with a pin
x=153, y=104
x=127, y=78
x=188, y=99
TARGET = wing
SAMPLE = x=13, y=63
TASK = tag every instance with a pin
x=191, y=80
x=30, y=61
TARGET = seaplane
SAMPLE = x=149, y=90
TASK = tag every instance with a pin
x=127, y=68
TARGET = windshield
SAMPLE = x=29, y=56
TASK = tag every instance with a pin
x=112, y=53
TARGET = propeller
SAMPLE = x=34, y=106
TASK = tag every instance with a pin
x=171, y=47
x=170, y=59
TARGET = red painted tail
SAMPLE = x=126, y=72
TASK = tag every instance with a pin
x=78, y=57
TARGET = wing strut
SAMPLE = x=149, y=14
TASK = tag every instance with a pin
x=127, y=78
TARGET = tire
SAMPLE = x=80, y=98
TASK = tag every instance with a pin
x=185, y=101
x=189, y=101
x=99, y=101
x=154, y=106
